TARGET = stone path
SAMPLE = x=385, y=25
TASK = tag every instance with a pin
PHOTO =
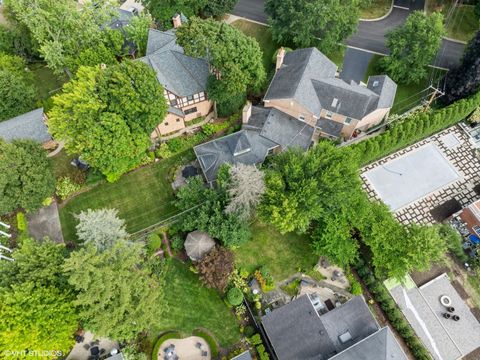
x=462, y=157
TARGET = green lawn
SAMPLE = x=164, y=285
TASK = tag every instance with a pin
x=263, y=35
x=377, y=8
x=463, y=24
x=45, y=80
x=192, y=305
x=407, y=94
x=142, y=197
x=282, y=255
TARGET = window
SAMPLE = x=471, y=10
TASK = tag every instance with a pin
x=329, y=115
x=301, y=118
x=173, y=102
x=190, y=111
x=476, y=228
x=348, y=120
x=190, y=98
x=178, y=120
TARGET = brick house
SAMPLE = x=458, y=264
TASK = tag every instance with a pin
x=471, y=217
x=306, y=86
x=183, y=77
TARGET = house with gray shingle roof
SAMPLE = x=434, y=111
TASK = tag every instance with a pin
x=29, y=126
x=306, y=86
x=348, y=332
x=264, y=131
x=183, y=77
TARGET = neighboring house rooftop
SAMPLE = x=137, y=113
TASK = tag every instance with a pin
x=243, y=356
x=266, y=129
x=181, y=74
x=297, y=331
x=309, y=77
x=30, y=126
x=445, y=339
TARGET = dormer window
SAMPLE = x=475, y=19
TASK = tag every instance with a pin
x=329, y=115
x=301, y=117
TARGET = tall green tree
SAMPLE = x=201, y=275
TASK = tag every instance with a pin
x=465, y=79
x=137, y=32
x=117, y=295
x=164, y=10
x=413, y=47
x=26, y=177
x=61, y=29
x=218, y=7
x=17, y=91
x=36, y=302
x=107, y=115
x=237, y=58
x=304, y=23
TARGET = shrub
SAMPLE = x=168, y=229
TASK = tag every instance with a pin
x=453, y=239
x=240, y=310
x=154, y=243
x=21, y=222
x=235, y=296
x=355, y=288
x=66, y=187
x=248, y=331
x=208, y=129
x=231, y=105
x=94, y=176
x=255, y=339
x=177, y=242
x=163, y=151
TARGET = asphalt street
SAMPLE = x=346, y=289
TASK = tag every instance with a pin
x=370, y=35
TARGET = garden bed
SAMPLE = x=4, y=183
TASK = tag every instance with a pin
x=376, y=9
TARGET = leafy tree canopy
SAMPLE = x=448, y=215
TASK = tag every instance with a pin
x=117, y=294
x=236, y=56
x=464, y=80
x=413, y=46
x=17, y=91
x=215, y=268
x=107, y=115
x=305, y=23
x=26, y=177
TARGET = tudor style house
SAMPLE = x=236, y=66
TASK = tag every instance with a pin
x=306, y=86
x=183, y=77
x=304, y=102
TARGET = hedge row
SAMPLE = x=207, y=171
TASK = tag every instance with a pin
x=418, y=126
x=388, y=305
x=167, y=336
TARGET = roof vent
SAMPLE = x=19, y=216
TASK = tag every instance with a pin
x=345, y=337
x=375, y=83
x=445, y=301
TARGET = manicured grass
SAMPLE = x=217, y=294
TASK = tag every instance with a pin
x=463, y=23
x=408, y=95
x=337, y=55
x=263, y=35
x=142, y=197
x=377, y=8
x=62, y=166
x=282, y=255
x=191, y=305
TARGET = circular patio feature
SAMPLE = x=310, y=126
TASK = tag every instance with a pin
x=198, y=244
x=191, y=348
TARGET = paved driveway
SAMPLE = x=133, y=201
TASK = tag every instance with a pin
x=370, y=35
x=355, y=64
x=46, y=223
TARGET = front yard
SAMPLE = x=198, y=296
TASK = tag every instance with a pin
x=282, y=255
x=142, y=197
x=191, y=305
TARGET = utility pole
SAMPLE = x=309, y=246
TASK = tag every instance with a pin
x=432, y=97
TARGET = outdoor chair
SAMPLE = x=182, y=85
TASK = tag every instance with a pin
x=198, y=345
x=204, y=353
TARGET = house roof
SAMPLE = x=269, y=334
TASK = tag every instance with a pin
x=179, y=73
x=266, y=129
x=309, y=77
x=330, y=127
x=243, y=356
x=245, y=146
x=444, y=338
x=381, y=345
x=30, y=126
x=297, y=331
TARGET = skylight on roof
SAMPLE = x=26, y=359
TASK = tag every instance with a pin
x=334, y=102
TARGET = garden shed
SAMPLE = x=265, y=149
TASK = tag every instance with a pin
x=198, y=244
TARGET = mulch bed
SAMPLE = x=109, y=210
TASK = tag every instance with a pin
x=421, y=278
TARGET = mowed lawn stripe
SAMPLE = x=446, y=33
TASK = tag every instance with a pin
x=142, y=197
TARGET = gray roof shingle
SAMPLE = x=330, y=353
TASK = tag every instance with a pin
x=308, y=77
x=330, y=127
x=297, y=331
x=179, y=73
x=30, y=126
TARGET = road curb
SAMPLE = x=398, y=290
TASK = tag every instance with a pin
x=455, y=40
x=232, y=18
x=382, y=17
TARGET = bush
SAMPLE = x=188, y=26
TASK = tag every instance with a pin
x=453, y=239
x=94, y=176
x=355, y=288
x=248, y=331
x=154, y=243
x=230, y=105
x=208, y=129
x=21, y=222
x=255, y=339
x=177, y=242
x=235, y=296
x=66, y=187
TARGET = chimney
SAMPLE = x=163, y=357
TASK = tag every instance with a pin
x=280, y=56
x=246, y=112
x=177, y=21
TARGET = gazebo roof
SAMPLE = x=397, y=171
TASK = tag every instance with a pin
x=198, y=244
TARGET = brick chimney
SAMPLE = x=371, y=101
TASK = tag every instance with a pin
x=177, y=21
x=246, y=112
x=280, y=56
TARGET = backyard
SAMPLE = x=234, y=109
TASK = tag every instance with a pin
x=191, y=305
x=376, y=9
x=282, y=255
x=142, y=197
